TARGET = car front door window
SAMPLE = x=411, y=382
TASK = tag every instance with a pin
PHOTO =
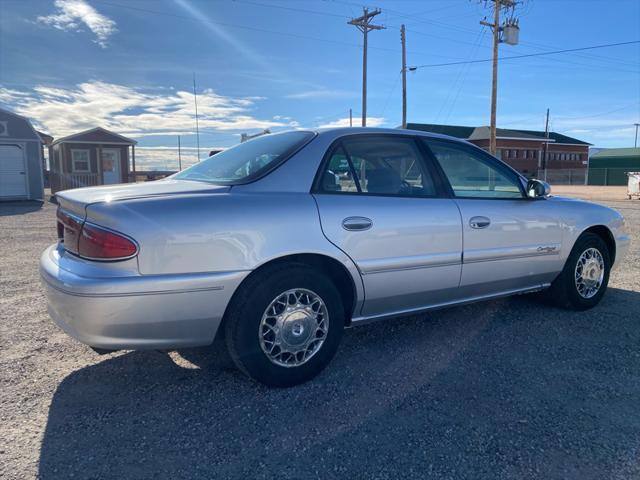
x=473, y=176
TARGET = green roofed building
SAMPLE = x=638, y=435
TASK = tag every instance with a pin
x=610, y=166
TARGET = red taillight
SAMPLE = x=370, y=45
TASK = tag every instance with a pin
x=91, y=241
x=98, y=243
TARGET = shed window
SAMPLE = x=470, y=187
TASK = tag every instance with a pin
x=80, y=160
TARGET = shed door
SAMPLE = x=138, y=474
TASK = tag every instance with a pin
x=111, y=166
x=13, y=178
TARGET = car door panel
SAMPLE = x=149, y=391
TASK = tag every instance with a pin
x=520, y=248
x=511, y=242
x=410, y=257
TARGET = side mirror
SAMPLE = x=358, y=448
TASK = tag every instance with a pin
x=538, y=188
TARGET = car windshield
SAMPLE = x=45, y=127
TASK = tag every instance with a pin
x=247, y=160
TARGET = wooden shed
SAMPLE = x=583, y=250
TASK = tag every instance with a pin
x=20, y=159
x=92, y=157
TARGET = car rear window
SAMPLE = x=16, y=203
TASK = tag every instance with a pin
x=247, y=161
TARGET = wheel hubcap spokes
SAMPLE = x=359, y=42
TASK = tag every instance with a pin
x=589, y=272
x=293, y=327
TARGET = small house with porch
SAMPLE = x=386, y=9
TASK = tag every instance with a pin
x=92, y=157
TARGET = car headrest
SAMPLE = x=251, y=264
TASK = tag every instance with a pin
x=383, y=180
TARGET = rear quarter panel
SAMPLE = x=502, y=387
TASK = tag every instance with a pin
x=232, y=231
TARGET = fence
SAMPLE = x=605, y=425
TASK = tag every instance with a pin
x=564, y=176
x=66, y=181
x=150, y=175
x=608, y=176
x=582, y=176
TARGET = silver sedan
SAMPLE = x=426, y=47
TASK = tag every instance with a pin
x=281, y=242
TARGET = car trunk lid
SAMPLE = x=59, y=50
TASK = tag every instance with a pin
x=74, y=201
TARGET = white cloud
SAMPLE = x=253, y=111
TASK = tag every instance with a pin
x=72, y=14
x=167, y=158
x=133, y=112
x=612, y=131
x=344, y=122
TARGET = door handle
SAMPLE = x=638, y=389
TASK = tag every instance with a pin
x=479, y=222
x=357, y=223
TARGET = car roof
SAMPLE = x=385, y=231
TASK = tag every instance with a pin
x=342, y=131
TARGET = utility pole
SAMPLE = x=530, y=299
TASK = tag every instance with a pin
x=195, y=101
x=512, y=39
x=635, y=144
x=350, y=118
x=403, y=39
x=364, y=25
x=546, y=145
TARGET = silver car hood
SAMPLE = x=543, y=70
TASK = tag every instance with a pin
x=77, y=199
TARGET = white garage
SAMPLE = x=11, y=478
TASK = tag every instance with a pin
x=21, y=165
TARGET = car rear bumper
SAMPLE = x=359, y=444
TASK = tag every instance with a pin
x=112, y=309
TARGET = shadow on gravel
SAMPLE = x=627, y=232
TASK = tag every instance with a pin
x=19, y=208
x=505, y=389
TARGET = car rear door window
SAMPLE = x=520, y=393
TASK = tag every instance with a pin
x=377, y=165
x=471, y=175
x=247, y=161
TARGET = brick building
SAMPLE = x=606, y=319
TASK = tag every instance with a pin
x=522, y=149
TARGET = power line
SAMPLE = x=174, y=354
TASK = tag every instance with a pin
x=292, y=9
x=540, y=54
x=264, y=30
x=309, y=37
x=337, y=15
x=588, y=56
x=449, y=27
x=391, y=92
x=465, y=73
x=471, y=56
x=525, y=120
x=600, y=114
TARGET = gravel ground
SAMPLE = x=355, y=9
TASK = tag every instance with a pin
x=505, y=389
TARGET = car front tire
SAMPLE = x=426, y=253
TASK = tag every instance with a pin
x=284, y=324
x=584, y=279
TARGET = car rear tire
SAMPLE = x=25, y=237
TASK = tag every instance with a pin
x=584, y=279
x=284, y=324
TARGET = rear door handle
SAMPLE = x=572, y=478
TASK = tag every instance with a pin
x=479, y=222
x=357, y=223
